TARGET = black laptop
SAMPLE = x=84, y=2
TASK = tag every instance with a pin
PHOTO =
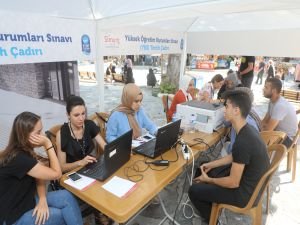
x=116, y=154
x=166, y=137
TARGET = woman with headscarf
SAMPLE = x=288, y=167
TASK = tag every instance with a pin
x=185, y=93
x=129, y=115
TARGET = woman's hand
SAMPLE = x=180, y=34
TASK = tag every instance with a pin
x=39, y=140
x=41, y=211
x=86, y=160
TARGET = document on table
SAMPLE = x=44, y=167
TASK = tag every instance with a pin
x=119, y=186
x=141, y=140
x=82, y=183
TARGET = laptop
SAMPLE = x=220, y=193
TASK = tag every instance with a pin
x=116, y=154
x=166, y=137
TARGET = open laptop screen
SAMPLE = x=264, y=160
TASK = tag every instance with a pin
x=167, y=136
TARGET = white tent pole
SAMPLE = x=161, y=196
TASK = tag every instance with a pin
x=99, y=64
x=183, y=58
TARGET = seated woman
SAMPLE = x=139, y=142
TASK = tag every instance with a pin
x=23, y=195
x=129, y=115
x=75, y=139
x=207, y=92
x=185, y=93
x=74, y=142
x=231, y=81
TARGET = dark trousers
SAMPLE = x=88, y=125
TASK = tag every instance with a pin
x=259, y=77
x=202, y=196
x=287, y=142
x=247, y=81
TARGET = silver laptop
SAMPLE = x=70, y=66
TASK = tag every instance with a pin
x=166, y=137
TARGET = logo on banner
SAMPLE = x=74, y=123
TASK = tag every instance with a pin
x=85, y=44
x=181, y=44
x=111, y=42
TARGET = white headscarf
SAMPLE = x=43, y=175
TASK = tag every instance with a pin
x=184, y=84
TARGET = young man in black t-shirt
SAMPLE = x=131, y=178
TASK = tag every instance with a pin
x=246, y=71
x=247, y=163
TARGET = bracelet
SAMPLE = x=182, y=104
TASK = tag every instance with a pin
x=49, y=148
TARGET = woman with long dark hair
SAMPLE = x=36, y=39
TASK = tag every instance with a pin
x=75, y=146
x=23, y=196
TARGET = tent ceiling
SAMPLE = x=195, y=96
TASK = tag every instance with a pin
x=177, y=15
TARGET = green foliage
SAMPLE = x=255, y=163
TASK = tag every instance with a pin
x=168, y=88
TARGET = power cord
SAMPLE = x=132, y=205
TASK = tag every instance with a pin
x=182, y=192
x=133, y=172
x=185, y=204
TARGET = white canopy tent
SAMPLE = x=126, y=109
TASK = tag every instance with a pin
x=212, y=26
x=239, y=27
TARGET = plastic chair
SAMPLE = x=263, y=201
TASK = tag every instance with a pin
x=166, y=101
x=292, y=154
x=254, y=206
x=100, y=119
x=272, y=137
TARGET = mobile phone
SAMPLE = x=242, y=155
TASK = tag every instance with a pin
x=147, y=137
x=74, y=176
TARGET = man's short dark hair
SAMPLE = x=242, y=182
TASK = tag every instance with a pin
x=239, y=99
x=275, y=83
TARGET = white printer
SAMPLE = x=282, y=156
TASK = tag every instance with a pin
x=205, y=116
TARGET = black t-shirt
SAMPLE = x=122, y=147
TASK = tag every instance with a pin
x=77, y=150
x=244, y=64
x=249, y=149
x=17, y=189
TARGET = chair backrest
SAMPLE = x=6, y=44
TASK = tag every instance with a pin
x=51, y=134
x=100, y=119
x=272, y=137
x=295, y=139
x=276, y=153
x=166, y=101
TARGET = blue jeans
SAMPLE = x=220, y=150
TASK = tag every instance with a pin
x=63, y=207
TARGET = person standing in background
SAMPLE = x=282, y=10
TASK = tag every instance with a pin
x=270, y=69
x=246, y=71
x=261, y=69
x=297, y=73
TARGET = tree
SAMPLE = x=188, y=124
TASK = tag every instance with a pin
x=170, y=80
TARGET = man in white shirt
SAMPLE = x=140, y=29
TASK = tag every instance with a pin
x=281, y=114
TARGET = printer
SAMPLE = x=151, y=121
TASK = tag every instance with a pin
x=205, y=116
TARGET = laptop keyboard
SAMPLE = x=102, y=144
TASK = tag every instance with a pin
x=94, y=170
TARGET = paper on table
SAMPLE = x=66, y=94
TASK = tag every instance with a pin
x=119, y=186
x=82, y=183
x=141, y=140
